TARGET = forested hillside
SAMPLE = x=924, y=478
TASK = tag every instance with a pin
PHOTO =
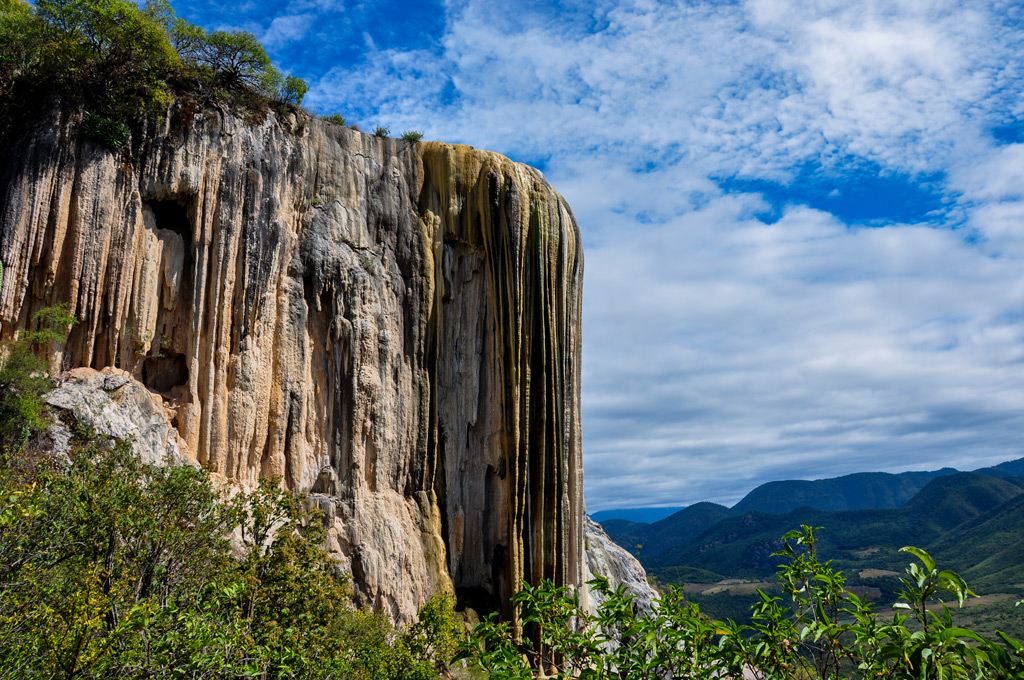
x=974, y=521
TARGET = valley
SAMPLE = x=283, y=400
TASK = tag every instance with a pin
x=971, y=522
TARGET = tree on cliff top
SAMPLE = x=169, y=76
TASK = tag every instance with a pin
x=109, y=54
x=234, y=59
x=120, y=60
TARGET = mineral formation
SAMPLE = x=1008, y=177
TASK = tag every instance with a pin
x=393, y=328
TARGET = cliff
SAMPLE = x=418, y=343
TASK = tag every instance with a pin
x=391, y=327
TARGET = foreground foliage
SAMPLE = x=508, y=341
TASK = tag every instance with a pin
x=112, y=568
x=823, y=631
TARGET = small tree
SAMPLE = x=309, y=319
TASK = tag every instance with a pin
x=293, y=90
x=24, y=377
x=108, y=53
x=231, y=60
x=225, y=61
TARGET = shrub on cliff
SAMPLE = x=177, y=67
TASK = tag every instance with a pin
x=112, y=568
x=116, y=59
x=824, y=632
x=24, y=377
x=224, y=62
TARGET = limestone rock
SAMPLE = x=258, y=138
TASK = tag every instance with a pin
x=606, y=558
x=113, y=404
x=393, y=327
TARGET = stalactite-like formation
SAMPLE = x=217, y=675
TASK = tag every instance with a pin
x=502, y=223
x=391, y=327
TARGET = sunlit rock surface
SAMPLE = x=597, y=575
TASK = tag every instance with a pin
x=605, y=558
x=111, y=404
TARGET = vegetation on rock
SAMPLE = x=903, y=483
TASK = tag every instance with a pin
x=114, y=568
x=24, y=378
x=111, y=567
x=120, y=61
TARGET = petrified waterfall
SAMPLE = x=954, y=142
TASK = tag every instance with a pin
x=391, y=327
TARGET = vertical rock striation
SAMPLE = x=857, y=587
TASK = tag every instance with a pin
x=393, y=328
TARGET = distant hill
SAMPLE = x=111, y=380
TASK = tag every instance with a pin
x=948, y=502
x=624, y=532
x=741, y=546
x=859, y=491
x=1013, y=468
x=642, y=515
x=988, y=551
x=971, y=522
x=651, y=539
x=944, y=508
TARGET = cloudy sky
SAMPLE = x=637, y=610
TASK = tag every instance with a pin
x=803, y=219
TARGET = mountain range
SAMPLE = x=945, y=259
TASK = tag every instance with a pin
x=867, y=518
x=857, y=491
x=642, y=515
x=971, y=522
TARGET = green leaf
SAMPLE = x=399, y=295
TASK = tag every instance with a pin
x=925, y=558
x=1010, y=642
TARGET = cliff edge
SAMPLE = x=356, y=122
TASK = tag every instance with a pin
x=390, y=327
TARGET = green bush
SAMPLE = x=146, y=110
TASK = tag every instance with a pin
x=113, y=568
x=24, y=377
x=824, y=632
x=117, y=59
x=412, y=136
x=335, y=118
x=381, y=131
x=437, y=634
x=105, y=131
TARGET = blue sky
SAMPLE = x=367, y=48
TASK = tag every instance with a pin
x=803, y=219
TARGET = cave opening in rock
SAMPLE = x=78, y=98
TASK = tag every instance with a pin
x=172, y=215
x=165, y=371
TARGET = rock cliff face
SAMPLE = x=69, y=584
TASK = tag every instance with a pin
x=393, y=328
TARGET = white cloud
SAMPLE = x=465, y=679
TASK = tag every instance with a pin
x=286, y=29
x=720, y=351
x=800, y=349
